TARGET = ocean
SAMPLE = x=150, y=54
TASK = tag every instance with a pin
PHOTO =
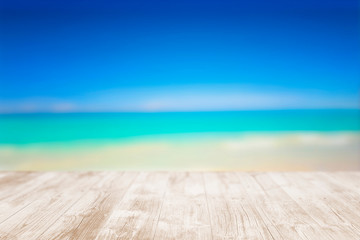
x=243, y=140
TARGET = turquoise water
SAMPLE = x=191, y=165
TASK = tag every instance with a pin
x=65, y=127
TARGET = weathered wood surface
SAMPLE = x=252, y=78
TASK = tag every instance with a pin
x=179, y=205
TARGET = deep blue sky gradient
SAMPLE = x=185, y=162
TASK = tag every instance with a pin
x=64, y=49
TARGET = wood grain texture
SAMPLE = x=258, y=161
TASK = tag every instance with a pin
x=184, y=214
x=179, y=205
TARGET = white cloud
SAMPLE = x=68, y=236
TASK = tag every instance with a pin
x=186, y=98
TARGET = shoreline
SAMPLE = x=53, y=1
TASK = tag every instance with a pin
x=253, y=152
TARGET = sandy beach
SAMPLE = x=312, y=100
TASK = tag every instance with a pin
x=250, y=152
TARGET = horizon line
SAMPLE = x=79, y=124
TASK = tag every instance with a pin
x=181, y=111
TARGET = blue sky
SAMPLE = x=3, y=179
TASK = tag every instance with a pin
x=178, y=55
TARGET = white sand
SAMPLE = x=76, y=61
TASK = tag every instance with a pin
x=252, y=152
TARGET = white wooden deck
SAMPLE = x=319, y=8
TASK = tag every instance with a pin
x=179, y=205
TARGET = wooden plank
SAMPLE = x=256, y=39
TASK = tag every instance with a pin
x=337, y=201
x=291, y=212
x=282, y=214
x=87, y=216
x=13, y=199
x=12, y=182
x=347, y=184
x=179, y=205
x=137, y=214
x=352, y=179
x=41, y=213
x=233, y=214
x=304, y=195
x=184, y=213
